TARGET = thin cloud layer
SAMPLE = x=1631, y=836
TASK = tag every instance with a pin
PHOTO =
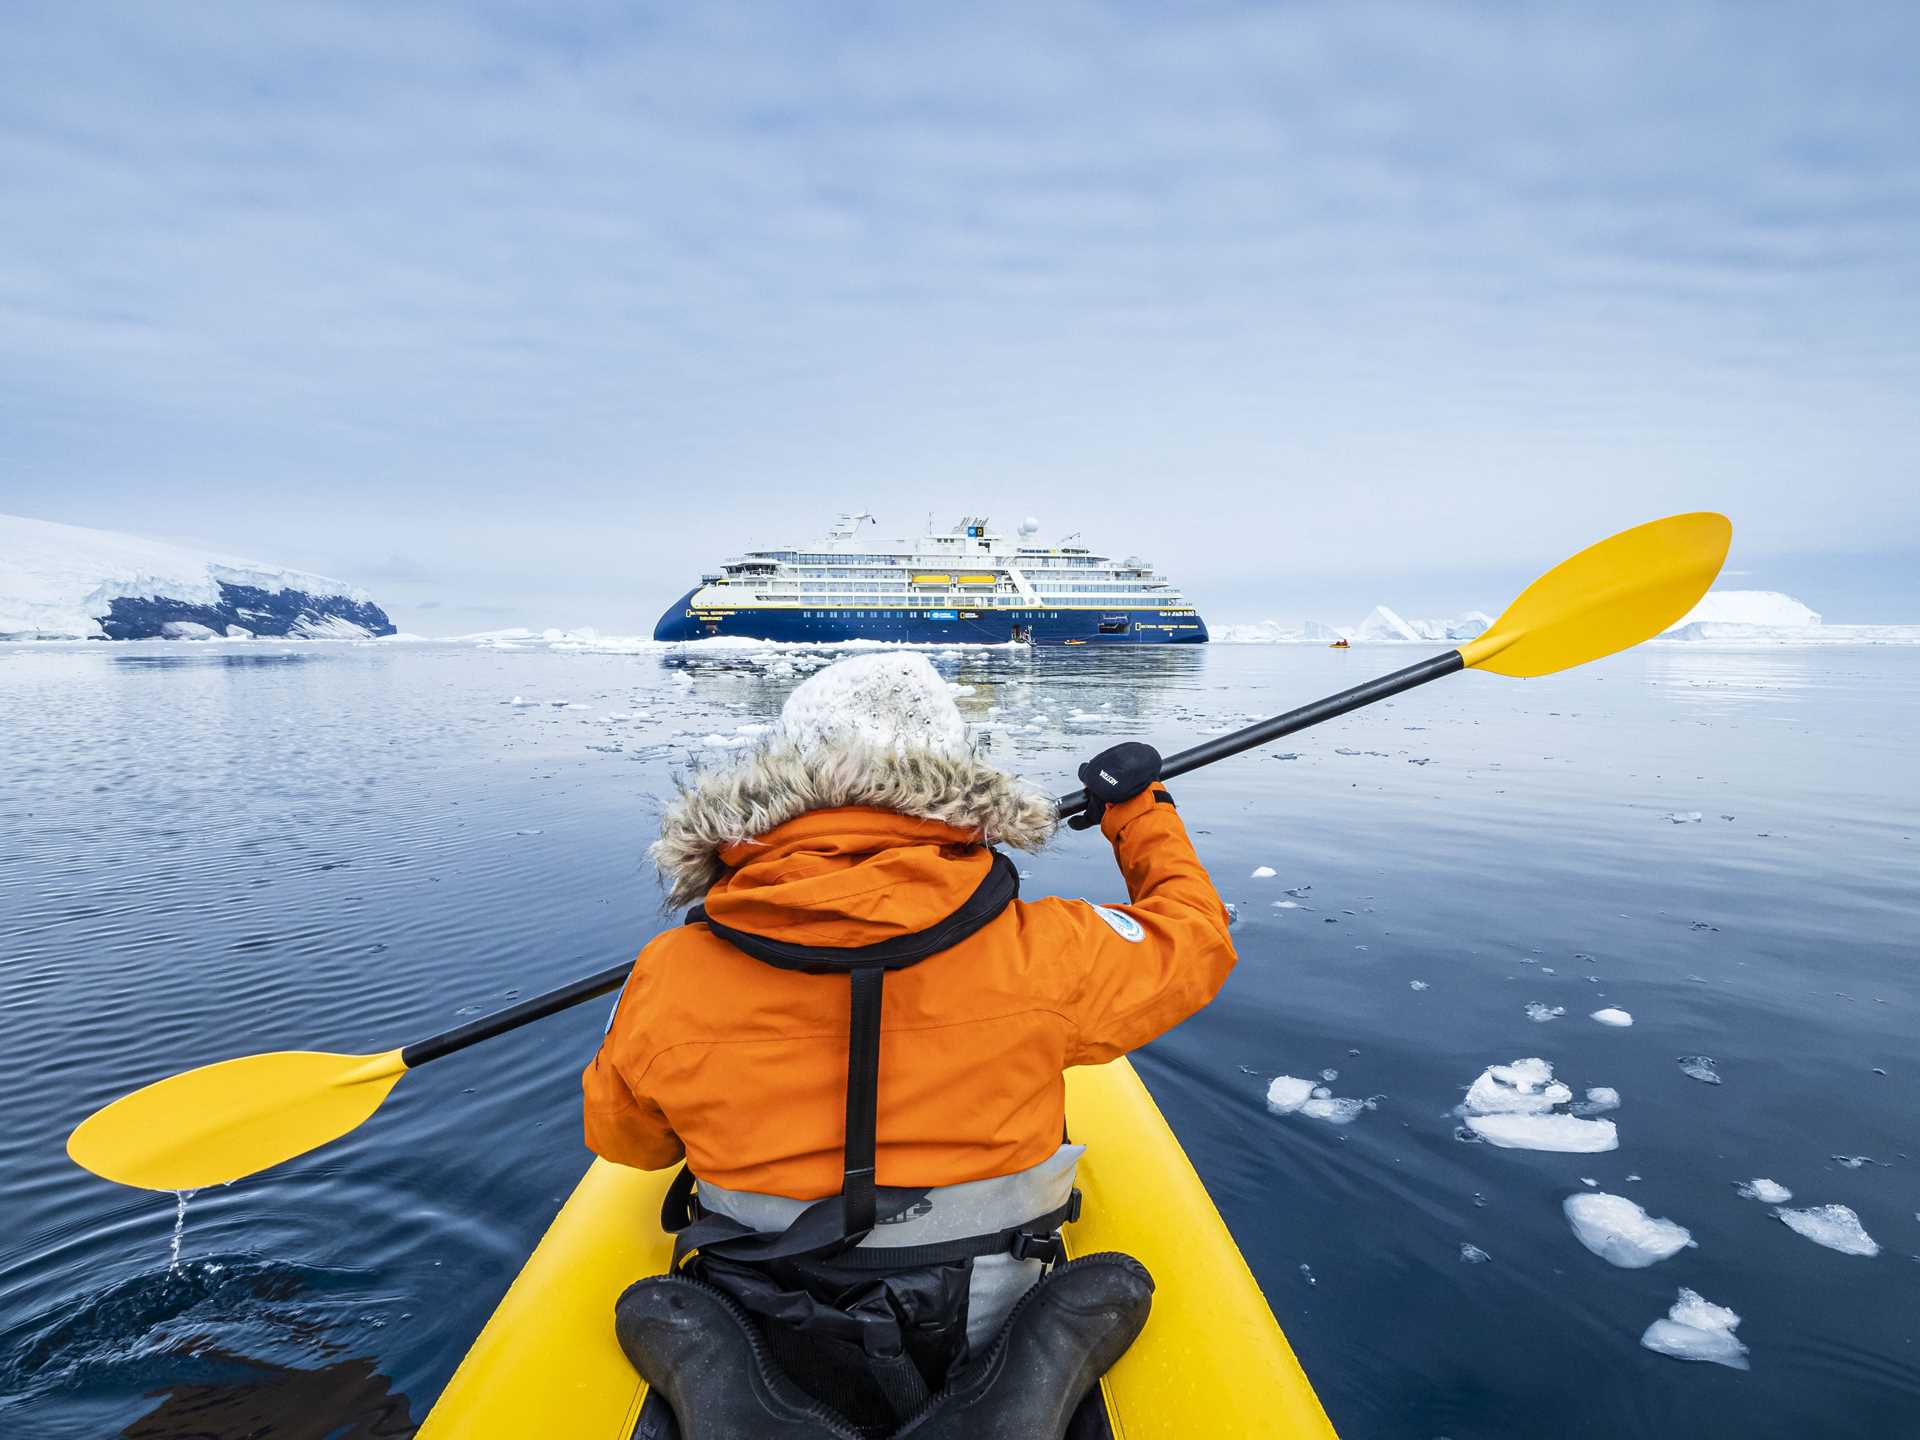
x=562, y=307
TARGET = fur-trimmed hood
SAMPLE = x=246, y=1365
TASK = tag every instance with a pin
x=778, y=783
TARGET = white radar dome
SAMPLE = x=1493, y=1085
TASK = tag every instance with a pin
x=1029, y=526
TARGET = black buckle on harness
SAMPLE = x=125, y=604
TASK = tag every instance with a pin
x=1050, y=1249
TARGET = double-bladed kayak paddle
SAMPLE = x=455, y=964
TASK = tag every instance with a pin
x=223, y=1122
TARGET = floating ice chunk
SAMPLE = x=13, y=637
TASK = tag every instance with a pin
x=1834, y=1226
x=1685, y=817
x=752, y=729
x=1600, y=1099
x=1612, y=1016
x=1286, y=904
x=1699, y=1067
x=1770, y=1192
x=1288, y=1093
x=522, y=702
x=1697, y=1329
x=1621, y=1233
x=1473, y=1255
x=1334, y=1109
x=1416, y=985
x=1524, y=1087
x=1264, y=872
x=1541, y=1014
x=1567, y=1134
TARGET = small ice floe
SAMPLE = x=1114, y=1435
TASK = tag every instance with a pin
x=1473, y=1255
x=1600, y=1099
x=1289, y=905
x=1621, y=1233
x=1290, y=1095
x=521, y=702
x=1287, y=1093
x=1416, y=985
x=1699, y=1067
x=754, y=728
x=1612, y=1016
x=1685, y=817
x=1541, y=1014
x=1588, y=1181
x=1770, y=1192
x=1299, y=892
x=1697, y=1329
x=1524, y=1087
x=526, y=832
x=1567, y=1134
x=1264, y=872
x=1854, y=1162
x=1512, y=1107
x=1329, y=1075
x=1834, y=1226
x=1334, y=1109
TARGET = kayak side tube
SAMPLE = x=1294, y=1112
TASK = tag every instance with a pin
x=1212, y=1360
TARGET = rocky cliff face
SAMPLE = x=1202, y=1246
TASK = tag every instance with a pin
x=244, y=608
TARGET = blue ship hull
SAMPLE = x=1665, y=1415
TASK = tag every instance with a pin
x=932, y=627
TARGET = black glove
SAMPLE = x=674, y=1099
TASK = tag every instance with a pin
x=1115, y=775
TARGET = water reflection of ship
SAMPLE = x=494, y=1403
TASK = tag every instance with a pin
x=1000, y=690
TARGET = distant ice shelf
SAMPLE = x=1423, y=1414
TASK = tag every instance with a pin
x=67, y=582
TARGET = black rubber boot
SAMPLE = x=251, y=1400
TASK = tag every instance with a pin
x=699, y=1350
x=1061, y=1338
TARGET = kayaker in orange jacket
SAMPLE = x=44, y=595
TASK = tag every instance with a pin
x=867, y=823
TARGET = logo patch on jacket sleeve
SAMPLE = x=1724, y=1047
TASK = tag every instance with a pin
x=1123, y=924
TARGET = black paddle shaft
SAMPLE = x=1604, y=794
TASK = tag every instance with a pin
x=514, y=1016
x=1307, y=715
x=614, y=976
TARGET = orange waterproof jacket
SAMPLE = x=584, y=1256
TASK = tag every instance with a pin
x=742, y=1067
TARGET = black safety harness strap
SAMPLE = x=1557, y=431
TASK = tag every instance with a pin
x=835, y=1225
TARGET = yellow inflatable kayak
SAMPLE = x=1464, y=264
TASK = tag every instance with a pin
x=1211, y=1362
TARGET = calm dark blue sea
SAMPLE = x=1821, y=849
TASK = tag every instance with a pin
x=212, y=850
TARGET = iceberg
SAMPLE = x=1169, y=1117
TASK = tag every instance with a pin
x=1749, y=607
x=1384, y=624
x=67, y=582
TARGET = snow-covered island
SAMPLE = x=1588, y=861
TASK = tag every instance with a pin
x=66, y=582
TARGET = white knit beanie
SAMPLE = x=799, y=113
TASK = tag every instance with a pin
x=890, y=702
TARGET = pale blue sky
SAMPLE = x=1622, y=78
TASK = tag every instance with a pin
x=527, y=319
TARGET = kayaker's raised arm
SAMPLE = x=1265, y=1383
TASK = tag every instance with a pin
x=1140, y=969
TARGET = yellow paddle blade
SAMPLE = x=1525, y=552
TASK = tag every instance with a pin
x=221, y=1122
x=1612, y=595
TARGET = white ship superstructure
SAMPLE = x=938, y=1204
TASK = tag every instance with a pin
x=965, y=584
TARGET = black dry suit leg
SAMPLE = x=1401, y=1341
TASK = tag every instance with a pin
x=698, y=1349
x=1060, y=1339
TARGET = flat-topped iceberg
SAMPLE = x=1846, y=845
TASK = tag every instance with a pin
x=66, y=582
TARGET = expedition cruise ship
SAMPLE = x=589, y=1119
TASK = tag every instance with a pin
x=968, y=585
